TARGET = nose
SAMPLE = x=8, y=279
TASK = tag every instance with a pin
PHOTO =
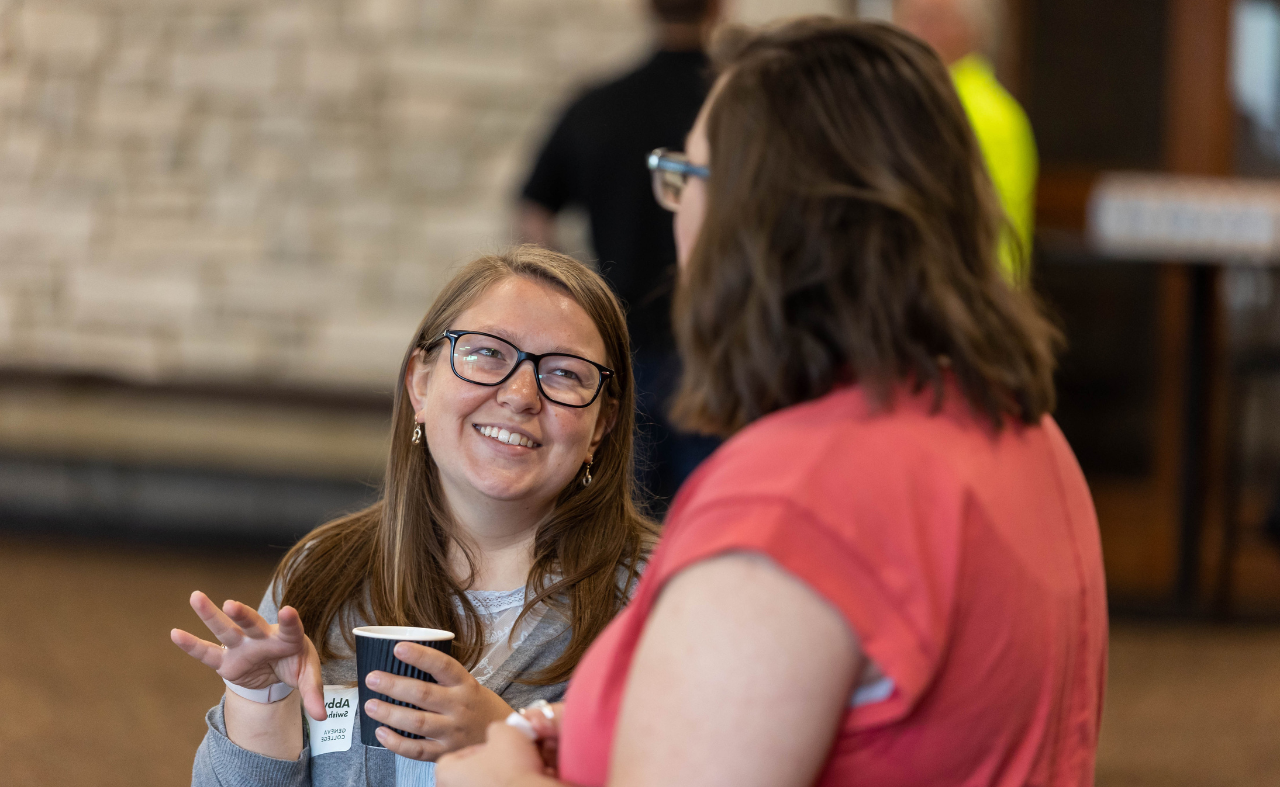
x=520, y=391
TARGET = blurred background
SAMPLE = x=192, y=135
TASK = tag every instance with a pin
x=220, y=222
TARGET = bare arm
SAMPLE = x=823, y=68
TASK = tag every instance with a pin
x=272, y=730
x=536, y=224
x=740, y=679
x=754, y=666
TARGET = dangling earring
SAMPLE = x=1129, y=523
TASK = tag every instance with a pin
x=417, y=434
x=586, y=480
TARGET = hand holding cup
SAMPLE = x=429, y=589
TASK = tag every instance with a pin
x=255, y=654
x=436, y=705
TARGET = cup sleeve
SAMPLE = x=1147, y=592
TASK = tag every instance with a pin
x=895, y=630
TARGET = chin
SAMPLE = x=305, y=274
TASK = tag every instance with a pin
x=497, y=487
x=502, y=492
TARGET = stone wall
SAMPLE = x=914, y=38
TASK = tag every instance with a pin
x=269, y=192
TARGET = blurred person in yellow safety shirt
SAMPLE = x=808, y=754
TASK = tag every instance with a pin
x=959, y=30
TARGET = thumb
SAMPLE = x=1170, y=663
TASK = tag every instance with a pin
x=311, y=687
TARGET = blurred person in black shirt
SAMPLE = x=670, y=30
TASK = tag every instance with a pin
x=595, y=159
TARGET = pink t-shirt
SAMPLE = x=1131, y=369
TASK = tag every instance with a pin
x=967, y=560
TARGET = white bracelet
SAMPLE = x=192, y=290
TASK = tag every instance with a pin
x=273, y=693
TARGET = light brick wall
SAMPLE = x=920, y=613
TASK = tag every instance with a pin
x=264, y=192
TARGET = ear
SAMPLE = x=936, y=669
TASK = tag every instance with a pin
x=417, y=375
x=605, y=421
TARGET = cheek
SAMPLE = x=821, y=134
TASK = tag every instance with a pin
x=688, y=220
x=447, y=408
x=571, y=434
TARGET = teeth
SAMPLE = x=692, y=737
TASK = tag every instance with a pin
x=506, y=436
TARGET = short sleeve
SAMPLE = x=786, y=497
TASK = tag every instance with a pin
x=551, y=183
x=807, y=549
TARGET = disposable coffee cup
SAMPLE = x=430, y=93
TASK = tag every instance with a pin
x=375, y=651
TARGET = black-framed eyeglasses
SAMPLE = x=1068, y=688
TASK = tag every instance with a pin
x=671, y=172
x=485, y=359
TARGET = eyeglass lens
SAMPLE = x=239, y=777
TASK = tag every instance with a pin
x=667, y=187
x=563, y=378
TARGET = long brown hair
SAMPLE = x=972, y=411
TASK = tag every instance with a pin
x=389, y=563
x=850, y=235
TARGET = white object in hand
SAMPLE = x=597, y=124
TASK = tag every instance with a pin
x=522, y=724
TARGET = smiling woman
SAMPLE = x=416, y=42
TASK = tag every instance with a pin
x=508, y=517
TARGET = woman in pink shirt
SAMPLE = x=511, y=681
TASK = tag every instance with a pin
x=890, y=574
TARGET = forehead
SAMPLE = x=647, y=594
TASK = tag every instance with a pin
x=537, y=316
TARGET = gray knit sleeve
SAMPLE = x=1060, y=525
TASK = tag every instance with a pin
x=269, y=608
x=221, y=763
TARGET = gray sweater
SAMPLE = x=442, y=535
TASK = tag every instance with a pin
x=221, y=763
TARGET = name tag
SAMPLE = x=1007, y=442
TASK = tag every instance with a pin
x=334, y=733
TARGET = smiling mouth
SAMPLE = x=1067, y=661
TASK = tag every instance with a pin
x=505, y=436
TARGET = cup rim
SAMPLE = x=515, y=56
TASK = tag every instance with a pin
x=406, y=633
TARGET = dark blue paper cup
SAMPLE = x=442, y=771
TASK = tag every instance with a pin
x=375, y=650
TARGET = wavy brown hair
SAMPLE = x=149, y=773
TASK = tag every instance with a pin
x=389, y=563
x=850, y=234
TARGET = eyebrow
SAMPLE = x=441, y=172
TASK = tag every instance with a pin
x=496, y=331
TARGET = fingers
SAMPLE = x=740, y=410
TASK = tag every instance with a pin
x=227, y=632
x=544, y=718
x=444, y=668
x=206, y=653
x=427, y=696
x=247, y=618
x=418, y=722
x=522, y=724
x=511, y=745
x=290, y=629
x=425, y=750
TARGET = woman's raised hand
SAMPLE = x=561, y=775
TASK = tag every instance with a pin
x=455, y=711
x=254, y=653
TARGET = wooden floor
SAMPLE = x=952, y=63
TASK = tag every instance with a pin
x=96, y=695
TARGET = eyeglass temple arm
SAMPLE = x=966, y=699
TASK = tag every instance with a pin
x=662, y=162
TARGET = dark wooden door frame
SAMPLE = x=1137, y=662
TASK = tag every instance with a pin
x=1191, y=427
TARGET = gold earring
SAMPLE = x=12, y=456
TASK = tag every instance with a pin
x=586, y=480
x=417, y=434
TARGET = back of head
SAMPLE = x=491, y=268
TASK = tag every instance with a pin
x=849, y=235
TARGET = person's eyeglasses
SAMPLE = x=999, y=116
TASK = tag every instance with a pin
x=671, y=172
x=485, y=359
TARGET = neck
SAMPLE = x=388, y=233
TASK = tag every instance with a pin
x=681, y=36
x=500, y=536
